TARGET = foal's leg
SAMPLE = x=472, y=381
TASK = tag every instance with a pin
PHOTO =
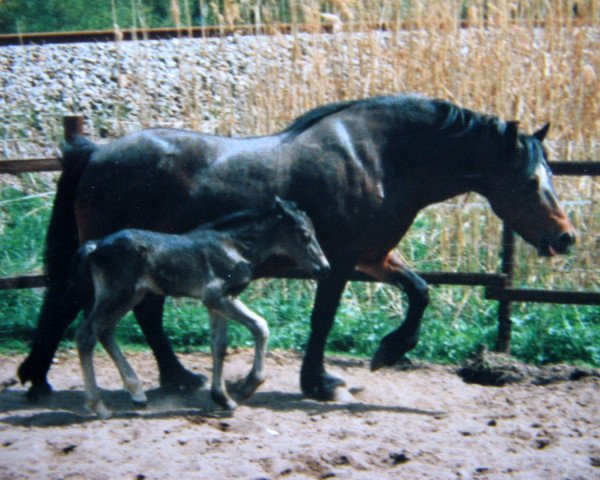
x=130, y=380
x=86, y=341
x=394, y=345
x=236, y=310
x=218, y=330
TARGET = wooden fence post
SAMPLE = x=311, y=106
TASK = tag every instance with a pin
x=72, y=125
x=504, y=322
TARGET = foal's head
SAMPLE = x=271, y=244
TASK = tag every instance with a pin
x=294, y=238
x=520, y=191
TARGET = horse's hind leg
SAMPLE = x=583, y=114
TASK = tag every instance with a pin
x=55, y=316
x=394, y=345
x=173, y=376
x=218, y=391
x=130, y=380
x=236, y=310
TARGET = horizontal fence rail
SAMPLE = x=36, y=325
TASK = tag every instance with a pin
x=498, y=286
x=25, y=165
x=133, y=34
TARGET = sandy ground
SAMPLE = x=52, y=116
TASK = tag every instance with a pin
x=405, y=424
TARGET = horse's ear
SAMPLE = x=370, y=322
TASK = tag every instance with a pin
x=511, y=138
x=542, y=132
x=511, y=133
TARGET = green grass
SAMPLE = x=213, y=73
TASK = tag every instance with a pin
x=456, y=322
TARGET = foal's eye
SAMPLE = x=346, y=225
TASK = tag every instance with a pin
x=305, y=236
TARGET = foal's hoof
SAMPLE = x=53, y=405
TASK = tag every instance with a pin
x=139, y=402
x=182, y=382
x=249, y=386
x=224, y=401
x=98, y=407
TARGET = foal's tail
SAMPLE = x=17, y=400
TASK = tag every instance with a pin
x=62, y=239
x=80, y=284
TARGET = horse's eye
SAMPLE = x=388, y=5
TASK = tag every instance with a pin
x=532, y=185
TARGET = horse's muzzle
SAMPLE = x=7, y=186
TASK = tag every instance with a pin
x=560, y=245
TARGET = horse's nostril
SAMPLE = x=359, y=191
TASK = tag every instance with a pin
x=566, y=239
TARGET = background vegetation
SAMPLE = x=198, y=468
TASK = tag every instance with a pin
x=512, y=68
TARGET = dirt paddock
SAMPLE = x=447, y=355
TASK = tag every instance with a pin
x=415, y=423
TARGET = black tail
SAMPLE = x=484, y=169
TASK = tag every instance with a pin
x=62, y=238
x=62, y=242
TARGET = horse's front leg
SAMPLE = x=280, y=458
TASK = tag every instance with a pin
x=236, y=310
x=173, y=376
x=314, y=380
x=394, y=345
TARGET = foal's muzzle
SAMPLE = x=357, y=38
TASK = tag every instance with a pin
x=322, y=271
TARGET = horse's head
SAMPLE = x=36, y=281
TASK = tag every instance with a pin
x=298, y=241
x=521, y=193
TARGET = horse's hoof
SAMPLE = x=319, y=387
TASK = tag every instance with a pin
x=322, y=387
x=388, y=354
x=343, y=395
x=182, y=382
x=379, y=360
x=38, y=391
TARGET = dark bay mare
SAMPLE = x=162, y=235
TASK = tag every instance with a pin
x=362, y=170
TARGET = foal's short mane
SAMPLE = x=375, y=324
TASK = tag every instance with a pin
x=237, y=219
x=232, y=220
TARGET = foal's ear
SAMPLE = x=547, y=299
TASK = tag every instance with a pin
x=542, y=132
x=284, y=207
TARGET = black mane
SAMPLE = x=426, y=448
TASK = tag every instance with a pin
x=442, y=116
x=455, y=121
x=310, y=118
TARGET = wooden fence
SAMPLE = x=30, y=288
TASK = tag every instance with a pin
x=499, y=286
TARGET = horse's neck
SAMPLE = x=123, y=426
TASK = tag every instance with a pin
x=451, y=167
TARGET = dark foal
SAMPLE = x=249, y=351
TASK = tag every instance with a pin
x=213, y=263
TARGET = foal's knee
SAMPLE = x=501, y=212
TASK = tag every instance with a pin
x=86, y=340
